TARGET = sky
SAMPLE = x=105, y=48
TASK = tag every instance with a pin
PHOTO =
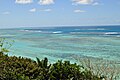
x=37, y=13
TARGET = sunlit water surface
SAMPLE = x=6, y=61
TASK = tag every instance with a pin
x=65, y=43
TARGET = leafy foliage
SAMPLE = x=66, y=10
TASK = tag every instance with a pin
x=5, y=45
x=19, y=68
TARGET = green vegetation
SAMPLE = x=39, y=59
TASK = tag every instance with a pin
x=19, y=68
x=5, y=45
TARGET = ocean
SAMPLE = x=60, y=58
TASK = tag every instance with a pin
x=65, y=43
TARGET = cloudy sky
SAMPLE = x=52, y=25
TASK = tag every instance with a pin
x=37, y=13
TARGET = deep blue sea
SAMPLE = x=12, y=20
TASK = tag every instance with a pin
x=65, y=43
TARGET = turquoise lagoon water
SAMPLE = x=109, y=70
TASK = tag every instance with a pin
x=65, y=42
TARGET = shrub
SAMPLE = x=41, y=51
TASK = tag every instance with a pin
x=20, y=68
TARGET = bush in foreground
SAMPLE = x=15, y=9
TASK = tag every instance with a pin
x=19, y=68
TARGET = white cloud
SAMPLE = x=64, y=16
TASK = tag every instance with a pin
x=82, y=1
x=33, y=10
x=46, y=10
x=95, y=4
x=23, y=1
x=79, y=11
x=6, y=13
x=46, y=2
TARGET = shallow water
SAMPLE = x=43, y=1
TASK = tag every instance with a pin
x=65, y=42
